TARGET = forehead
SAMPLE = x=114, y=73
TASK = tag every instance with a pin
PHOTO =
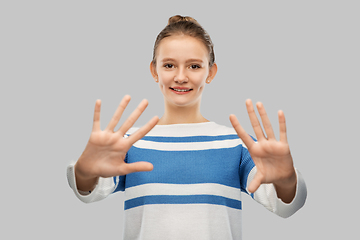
x=182, y=48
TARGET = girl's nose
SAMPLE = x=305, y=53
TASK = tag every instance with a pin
x=180, y=76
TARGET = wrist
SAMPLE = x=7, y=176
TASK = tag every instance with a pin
x=287, y=183
x=84, y=182
x=286, y=189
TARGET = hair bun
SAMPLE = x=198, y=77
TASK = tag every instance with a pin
x=179, y=18
x=187, y=26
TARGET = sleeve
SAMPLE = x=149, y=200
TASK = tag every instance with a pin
x=104, y=187
x=266, y=195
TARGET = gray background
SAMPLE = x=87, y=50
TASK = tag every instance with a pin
x=58, y=57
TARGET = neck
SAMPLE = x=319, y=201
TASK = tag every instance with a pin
x=178, y=115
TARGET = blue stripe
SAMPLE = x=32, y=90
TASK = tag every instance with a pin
x=186, y=167
x=191, y=139
x=187, y=199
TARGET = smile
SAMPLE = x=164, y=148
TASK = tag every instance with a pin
x=181, y=89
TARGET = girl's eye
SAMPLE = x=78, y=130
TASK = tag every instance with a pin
x=168, y=65
x=194, y=66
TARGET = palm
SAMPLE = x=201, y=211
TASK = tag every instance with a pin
x=108, y=153
x=106, y=150
x=271, y=157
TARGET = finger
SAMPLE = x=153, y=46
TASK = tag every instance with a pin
x=96, y=123
x=254, y=120
x=136, y=167
x=282, y=126
x=133, y=117
x=248, y=141
x=140, y=133
x=265, y=121
x=118, y=113
x=255, y=183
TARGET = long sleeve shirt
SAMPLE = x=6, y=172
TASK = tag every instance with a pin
x=194, y=190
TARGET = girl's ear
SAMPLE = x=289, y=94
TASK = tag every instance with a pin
x=212, y=73
x=153, y=71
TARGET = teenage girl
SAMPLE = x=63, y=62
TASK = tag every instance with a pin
x=182, y=174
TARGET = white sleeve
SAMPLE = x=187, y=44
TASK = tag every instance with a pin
x=104, y=187
x=266, y=195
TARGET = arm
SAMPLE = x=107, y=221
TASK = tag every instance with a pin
x=273, y=160
x=102, y=188
x=267, y=195
x=104, y=154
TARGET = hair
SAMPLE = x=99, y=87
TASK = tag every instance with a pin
x=179, y=25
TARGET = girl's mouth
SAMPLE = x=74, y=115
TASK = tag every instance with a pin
x=181, y=90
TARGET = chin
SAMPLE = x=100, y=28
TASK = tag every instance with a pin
x=182, y=101
x=184, y=104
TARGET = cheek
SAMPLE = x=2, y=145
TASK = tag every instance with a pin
x=165, y=79
x=201, y=81
x=162, y=86
x=164, y=83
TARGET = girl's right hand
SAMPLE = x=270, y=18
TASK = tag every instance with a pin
x=105, y=152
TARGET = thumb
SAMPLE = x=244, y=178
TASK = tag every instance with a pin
x=136, y=167
x=255, y=183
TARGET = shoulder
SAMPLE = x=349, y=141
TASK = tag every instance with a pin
x=221, y=129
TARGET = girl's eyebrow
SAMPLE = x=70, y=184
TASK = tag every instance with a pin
x=187, y=61
x=195, y=60
x=167, y=60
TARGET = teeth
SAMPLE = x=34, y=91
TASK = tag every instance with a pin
x=181, y=90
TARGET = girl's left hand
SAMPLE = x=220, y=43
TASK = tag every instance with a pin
x=272, y=158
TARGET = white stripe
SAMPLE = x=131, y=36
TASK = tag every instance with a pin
x=188, y=130
x=188, y=146
x=151, y=189
x=176, y=222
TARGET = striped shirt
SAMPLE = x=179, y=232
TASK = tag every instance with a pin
x=194, y=190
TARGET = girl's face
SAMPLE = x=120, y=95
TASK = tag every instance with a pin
x=182, y=69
